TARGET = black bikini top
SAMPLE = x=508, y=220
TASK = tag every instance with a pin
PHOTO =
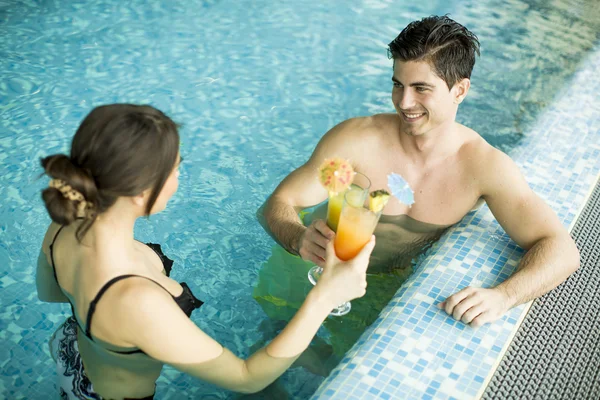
x=186, y=300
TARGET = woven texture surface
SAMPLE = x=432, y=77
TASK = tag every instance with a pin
x=556, y=351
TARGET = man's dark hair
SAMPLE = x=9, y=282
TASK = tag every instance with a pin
x=447, y=46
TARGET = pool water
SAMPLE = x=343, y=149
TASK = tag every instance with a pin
x=255, y=85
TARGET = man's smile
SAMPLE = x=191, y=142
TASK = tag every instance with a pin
x=412, y=117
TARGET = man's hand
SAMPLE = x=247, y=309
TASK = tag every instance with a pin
x=313, y=242
x=476, y=306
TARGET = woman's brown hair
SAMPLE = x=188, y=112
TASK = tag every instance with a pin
x=118, y=150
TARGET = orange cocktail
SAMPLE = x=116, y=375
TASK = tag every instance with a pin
x=356, y=225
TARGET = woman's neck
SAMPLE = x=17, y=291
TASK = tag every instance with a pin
x=114, y=226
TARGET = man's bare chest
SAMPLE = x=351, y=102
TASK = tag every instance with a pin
x=442, y=195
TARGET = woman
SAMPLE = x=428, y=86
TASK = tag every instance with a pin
x=129, y=317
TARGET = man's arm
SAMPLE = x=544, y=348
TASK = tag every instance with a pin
x=301, y=189
x=551, y=252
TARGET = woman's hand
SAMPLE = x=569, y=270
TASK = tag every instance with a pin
x=343, y=281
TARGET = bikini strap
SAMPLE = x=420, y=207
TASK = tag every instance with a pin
x=107, y=285
x=52, y=251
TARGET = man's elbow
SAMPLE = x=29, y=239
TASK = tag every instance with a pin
x=567, y=253
x=261, y=214
x=269, y=213
x=574, y=256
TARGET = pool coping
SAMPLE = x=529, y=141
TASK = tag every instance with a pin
x=395, y=356
x=530, y=304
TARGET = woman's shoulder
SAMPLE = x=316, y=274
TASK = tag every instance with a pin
x=49, y=237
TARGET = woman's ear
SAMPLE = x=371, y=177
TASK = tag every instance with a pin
x=140, y=199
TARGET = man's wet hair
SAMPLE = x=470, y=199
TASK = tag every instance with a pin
x=447, y=46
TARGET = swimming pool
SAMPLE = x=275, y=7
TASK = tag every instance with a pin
x=255, y=85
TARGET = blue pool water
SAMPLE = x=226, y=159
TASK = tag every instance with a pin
x=255, y=85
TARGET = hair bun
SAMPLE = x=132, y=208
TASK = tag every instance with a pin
x=61, y=210
x=71, y=191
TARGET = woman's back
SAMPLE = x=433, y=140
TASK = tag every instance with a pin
x=83, y=271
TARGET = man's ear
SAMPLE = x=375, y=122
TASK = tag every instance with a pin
x=460, y=90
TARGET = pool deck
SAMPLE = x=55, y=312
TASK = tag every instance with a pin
x=414, y=350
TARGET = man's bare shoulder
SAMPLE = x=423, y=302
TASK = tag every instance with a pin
x=474, y=147
x=366, y=125
x=357, y=132
x=384, y=123
x=483, y=161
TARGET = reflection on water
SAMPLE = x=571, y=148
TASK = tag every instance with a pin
x=255, y=86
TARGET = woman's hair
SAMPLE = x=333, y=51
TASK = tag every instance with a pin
x=447, y=46
x=118, y=150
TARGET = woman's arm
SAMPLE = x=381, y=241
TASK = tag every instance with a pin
x=47, y=286
x=267, y=364
x=150, y=320
x=45, y=279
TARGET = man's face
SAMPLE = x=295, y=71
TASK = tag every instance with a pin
x=421, y=98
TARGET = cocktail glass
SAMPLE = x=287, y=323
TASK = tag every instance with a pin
x=356, y=226
x=360, y=186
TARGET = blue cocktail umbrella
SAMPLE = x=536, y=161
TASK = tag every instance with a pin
x=400, y=189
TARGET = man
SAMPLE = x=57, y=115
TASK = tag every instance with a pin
x=450, y=167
